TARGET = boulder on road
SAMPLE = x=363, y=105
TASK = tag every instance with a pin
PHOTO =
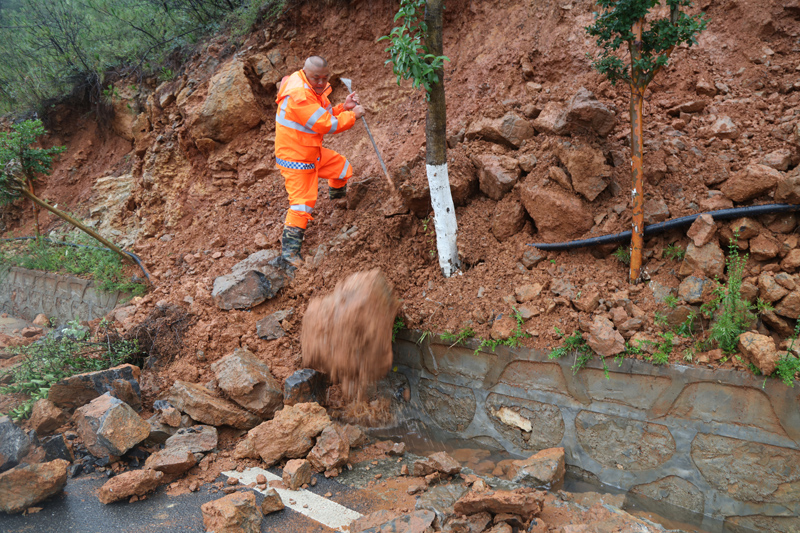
x=81, y=389
x=27, y=485
x=127, y=484
x=197, y=402
x=109, y=427
x=14, y=444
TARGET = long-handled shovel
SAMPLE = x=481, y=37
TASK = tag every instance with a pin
x=396, y=205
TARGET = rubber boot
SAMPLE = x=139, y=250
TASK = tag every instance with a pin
x=339, y=196
x=291, y=240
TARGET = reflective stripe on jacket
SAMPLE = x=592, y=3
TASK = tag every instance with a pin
x=303, y=118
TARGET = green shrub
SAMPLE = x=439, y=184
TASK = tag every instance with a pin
x=49, y=360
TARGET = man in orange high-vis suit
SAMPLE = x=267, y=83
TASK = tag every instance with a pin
x=304, y=116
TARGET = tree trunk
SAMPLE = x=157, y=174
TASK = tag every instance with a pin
x=444, y=212
x=637, y=184
x=77, y=224
x=638, y=86
x=35, y=208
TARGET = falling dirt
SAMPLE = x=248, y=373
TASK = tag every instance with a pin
x=347, y=334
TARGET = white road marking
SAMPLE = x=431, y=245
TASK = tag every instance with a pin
x=315, y=507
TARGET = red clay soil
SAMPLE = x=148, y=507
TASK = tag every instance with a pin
x=194, y=225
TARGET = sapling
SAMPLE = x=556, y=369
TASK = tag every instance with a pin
x=650, y=39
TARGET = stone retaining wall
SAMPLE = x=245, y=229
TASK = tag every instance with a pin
x=26, y=293
x=722, y=443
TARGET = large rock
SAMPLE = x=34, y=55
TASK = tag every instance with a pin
x=247, y=380
x=14, y=444
x=251, y=281
x=587, y=166
x=544, y=470
x=558, y=215
x=526, y=503
x=497, y=174
x=703, y=230
x=331, y=451
x=230, y=107
x=197, y=402
x=81, y=389
x=509, y=217
x=171, y=460
x=760, y=350
x=269, y=328
x=583, y=114
x=27, y=485
x=768, y=289
x=603, y=338
x=510, y=130
x=420, y=521
x=109, y=427
x=586, y=113
x=788, y=191
x=289, y=435
x=751, y=182
x=127, y=484
x=789, y=306
x=198, y=439
x=46, y=417
x=268, y=72
x=234, y=513
x=305, y=386
x=708, y=260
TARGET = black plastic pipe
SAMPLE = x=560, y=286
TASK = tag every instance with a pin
x=72, y=244
x=661, y=227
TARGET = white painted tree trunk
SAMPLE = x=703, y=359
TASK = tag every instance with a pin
x=444, y=218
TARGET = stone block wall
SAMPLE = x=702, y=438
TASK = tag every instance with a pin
x=26, y=293
x=721, y=443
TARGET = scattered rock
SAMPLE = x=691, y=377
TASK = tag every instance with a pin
x=768, y=289
x=586, y=113
x=416, y=522
x=171, y=460
x=46, y=417
x=789, y=306
x=197, y=439
x=587, y=167
x=788, y=190
x=764, y=247
x=248, y=381
x=503, y=328
x=707, y=259
x=558, y=215
x=269, y=328
x=230, y=107
x=702, y=230
x=509, y=217
x=695, y=289
x=444, y=463
x=14, y=444
x=272, y=502
x=544, y=470
x=81, y=389
x=525, y=503
x=195, y=401
x=751, y=182
x=760, y=350
x=603, y=338
x=127, y=484
x=305, y=386
x=290, y=434
x=532, y=257
x=27, y=485
x=234, y=513
x=509, y=130
x=251, y=281
x=55, y=447
x=779, y=160
x=296, y=473
x=332, y=451
x=497, y=174
x=109, y=427
x=41, y=321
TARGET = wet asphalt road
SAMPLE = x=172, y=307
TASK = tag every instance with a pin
x=78, y=510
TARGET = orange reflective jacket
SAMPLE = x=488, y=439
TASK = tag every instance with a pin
x=302, y=120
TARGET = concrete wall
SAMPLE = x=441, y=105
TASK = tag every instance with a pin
x=26, y=293
x=721, y=443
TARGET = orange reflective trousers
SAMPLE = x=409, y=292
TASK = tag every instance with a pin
x=303, y=118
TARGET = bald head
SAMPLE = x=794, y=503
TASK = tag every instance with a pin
x=317, y=73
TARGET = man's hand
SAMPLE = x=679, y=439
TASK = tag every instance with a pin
x=359, y=111
x=351, y=101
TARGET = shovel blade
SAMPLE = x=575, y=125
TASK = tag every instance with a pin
x=347, y=83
